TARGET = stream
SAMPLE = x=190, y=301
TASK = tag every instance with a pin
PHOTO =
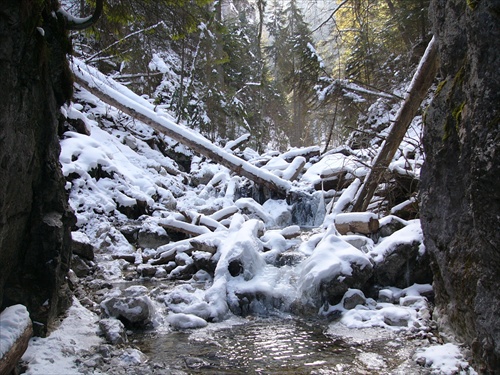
x=269, y=341
x=280, y=345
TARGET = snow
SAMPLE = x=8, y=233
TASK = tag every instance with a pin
x=13, y=322
x=115, y=167
x=184, y=321
x=410, y=234
x=143, y=107
x=444, y=359
x=332, y=258
x=332, y=165
x=350, y=217
x=57, y=353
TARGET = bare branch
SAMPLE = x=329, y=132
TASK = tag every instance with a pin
x=75, y=23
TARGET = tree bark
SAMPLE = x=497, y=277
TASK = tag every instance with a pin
x=10, y=359
x=422, y=80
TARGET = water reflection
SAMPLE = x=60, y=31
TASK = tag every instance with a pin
x=277, y=346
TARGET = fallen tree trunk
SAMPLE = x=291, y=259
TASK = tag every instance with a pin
x=422, y=80
x=183, y=227
x=12, y=351
x=126, y=101
x=356, y=223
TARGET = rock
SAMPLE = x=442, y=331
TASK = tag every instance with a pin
x=152, y=240
x=333, y=268
x=185, y=321
x=35, y=218
x=128, y=357
x=146, y=270
x=353, y=298
x=81, y=245
x=334, y=290
x=203, y=261
x=133, y=307
x=389, y=227
x=460, y=198
x=403, y=267
x=196, y=363
x=114, y=331
x=128, y=257
x=79, y=266
x=289, y=258
x=396, y=317
x=386, y=295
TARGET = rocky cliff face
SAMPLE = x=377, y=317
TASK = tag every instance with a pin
x=34, y=216
x=461, y=177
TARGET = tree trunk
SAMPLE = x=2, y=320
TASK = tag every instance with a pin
x=422, y=80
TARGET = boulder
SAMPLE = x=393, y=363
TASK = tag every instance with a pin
x=133, y=307
x=81, y=245
x=146, y=270
x=113, y=330
x=333, y=268
x=403, y=267
x=79, y=266
x=460, y=195
x=353, y=298
x=148, y=239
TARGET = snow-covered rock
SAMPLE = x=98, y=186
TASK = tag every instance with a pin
x=113, y=330
x=333, y=268
x=131, y=305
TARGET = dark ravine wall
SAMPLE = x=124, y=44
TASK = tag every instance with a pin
x=461, y=176
x=35, y=219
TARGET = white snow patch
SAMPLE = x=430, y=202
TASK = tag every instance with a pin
x=444, y=359
x=57, y=353
x=13, y=322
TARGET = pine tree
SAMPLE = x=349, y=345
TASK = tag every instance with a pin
x=296, y=66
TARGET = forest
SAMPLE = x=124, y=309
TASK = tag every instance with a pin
x=250, y=187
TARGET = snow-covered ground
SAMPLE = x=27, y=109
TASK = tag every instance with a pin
x=129, y=189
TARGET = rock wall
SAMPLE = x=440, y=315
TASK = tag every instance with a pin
x=35, y=219
x=461, y=176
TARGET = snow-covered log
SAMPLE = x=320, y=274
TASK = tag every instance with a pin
x=293, y=170
x=233, y=145
x=182, y=227
x=224, y=213
x=357, y=222
x=199, y=219
x=420, y=84
x=15, y=332
x=122, y=98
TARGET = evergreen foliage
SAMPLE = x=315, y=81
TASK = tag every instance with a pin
x=228, y=68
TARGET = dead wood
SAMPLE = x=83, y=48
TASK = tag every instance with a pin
x=418, y=89
x=9, y=361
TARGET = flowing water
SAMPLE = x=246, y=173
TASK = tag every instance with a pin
x=280, y=345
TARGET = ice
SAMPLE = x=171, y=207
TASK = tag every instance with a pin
x=184, y=321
